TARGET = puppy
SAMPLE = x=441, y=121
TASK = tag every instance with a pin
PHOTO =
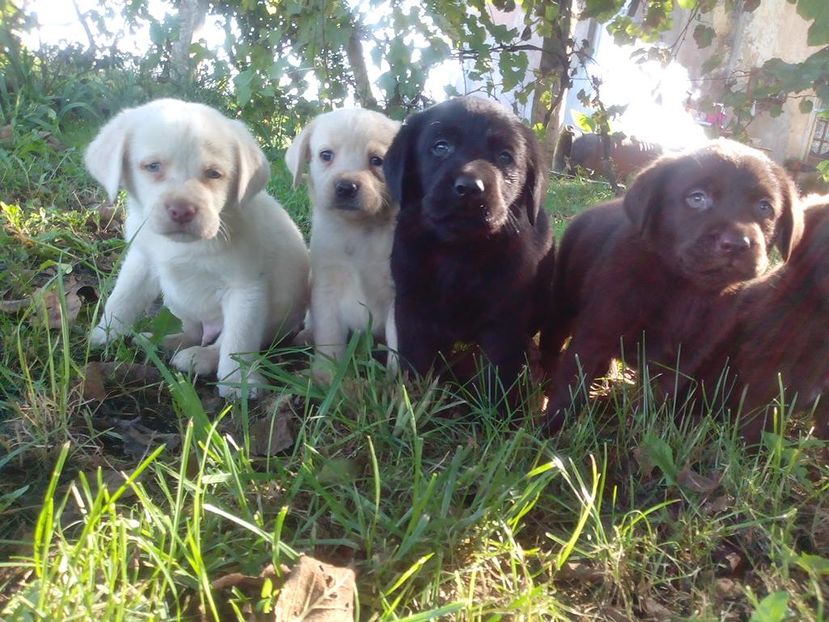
x=229, y=261
x=472, y=242
x=779, y=337
x=661, y=261
x=353, y=221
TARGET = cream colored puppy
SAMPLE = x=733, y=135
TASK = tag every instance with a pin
x=229, y=261
x=352, y=226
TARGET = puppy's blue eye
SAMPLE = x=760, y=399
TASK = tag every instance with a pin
x=327, y=155
x=375, y=161
x=698, y=200
x=442, y=148
x=764, y=208
x=212, y=173
x=505, y=158
x=152, y=167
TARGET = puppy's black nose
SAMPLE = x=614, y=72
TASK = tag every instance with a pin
x=346, y=189
x=468, y=186
x=733, y=243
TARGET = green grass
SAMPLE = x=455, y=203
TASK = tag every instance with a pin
x=442, y=509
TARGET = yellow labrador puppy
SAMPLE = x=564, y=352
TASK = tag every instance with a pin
x=352, y=226
x=228, y=260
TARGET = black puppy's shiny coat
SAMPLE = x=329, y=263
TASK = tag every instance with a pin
x=472, y=249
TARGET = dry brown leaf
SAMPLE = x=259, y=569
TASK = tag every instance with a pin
x=656, y=611
x=246, y=584
x=691, y=480
x=6, y=133
x=272, y=435
x=717, y=505
x=728, y=588
x=100, y=377
x=316, y=592
x=14, y=306
x=93, y=385
x=48, y=298
x=646, y=467
x=580, y=572
x=52, y=304
x=52, y=141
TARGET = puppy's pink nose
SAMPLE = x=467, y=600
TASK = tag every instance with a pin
x=180, y=211
x=733, y=243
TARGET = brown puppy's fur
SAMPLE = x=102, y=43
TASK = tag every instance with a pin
x=470, y=237
x=660, y=261
x=779, y=336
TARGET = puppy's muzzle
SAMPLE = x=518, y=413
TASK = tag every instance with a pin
x=732, y=243
x=347, y=195
x=468, y=186
x=180, y=211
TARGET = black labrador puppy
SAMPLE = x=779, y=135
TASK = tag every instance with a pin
x=473, y=248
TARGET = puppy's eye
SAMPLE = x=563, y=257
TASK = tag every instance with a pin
x=764, y=209
x=442, y=148
x=152, y=167
x=505, y=158
x=375, y=161
x=326, y=155
x=698, y=200
x=212, y=173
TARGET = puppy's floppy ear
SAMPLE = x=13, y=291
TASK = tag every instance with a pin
x=535, y=184
x=399, y=166
x=790, y=225
x=298, y=154
x=106, y=154
x=252, y=168
x=643, y=198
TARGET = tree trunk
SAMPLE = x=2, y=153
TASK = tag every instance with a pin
x=357, y=60
x=554, y=72
x=191, y=15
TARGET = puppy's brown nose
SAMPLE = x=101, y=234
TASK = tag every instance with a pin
x=468, y=186
x=180, y=211
x=733, y=243
x=346, y=189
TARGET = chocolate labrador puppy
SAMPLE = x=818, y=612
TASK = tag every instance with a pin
x=472, y=245
x=654, y=268
x=779, y=337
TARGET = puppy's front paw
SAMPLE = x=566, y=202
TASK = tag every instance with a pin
x=103, y=334
x=230, y=388
x=197, y=359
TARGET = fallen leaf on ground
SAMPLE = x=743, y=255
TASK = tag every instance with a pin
x=656, y=611
x=138, y=439
x=693, y=481
x=49, y=298
x=272, y=434
x=316, y=592
x=14, y=306
x=579, y=571
x=54, y=313
x=100, y=377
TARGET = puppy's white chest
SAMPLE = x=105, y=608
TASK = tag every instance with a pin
x=191, y=293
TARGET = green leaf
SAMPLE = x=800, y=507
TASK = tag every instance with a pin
x=816, y=11
x=813, y=563
x=661, y=456
x=583, y=121
x=806, y=106
x=687, y=4
x=703, y=35
x=773, y=608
